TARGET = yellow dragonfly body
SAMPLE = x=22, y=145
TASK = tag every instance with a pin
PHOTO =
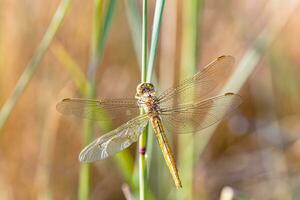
x=148, y=101
x=168, y=112
x=166, y=150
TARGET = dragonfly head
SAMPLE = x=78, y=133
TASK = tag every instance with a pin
x=145, y=90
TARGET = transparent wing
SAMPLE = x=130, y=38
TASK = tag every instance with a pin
x=114, y=141
x=191, y=118
x=205, y=84
x=100, y=110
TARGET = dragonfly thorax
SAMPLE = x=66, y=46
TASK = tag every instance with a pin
x=145, y=93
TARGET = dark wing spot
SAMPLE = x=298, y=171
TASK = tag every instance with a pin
x=229, y=94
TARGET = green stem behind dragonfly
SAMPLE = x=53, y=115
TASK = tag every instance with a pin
x=99, y=36
x=189, y=58
x=146, y=74
x=143, y=183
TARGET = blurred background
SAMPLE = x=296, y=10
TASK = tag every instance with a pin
x=252, y=154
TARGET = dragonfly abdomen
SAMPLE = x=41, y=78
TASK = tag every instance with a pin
x=166, y=150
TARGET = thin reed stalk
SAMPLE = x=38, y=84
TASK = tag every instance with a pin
x=135, y=25
x=124, y=160
x=146, y=74
x=99, y=35
x=159, y=7
x=35, y=61
x=189, y=60
x=70, y=65
x=167, y=63
x=143, y=182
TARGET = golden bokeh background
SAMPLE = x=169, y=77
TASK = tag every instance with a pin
x=255, y=152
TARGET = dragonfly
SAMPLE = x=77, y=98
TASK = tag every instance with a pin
x=168, y=112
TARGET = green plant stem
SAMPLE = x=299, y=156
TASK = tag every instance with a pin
x=135, y=24
x=35, y=61
x=147, y=71
x=143, y=138
x=124, y=159
x=85, y=169
x=99, y=35
x=189, y=58
x=70, y=65
x=144, y=41
x=159, y=7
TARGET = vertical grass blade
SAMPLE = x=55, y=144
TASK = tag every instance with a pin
x=70, y=65
x=146, y=74
x=144, y=41
x=123, y=159
x=35, y=61
x=84, y=173
x=159, y=7
x=189, y=58
x=99, y=35
x=167, y=61
x=143, y=182
x=135, y=24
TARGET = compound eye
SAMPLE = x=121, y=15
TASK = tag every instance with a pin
x=150, y=86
